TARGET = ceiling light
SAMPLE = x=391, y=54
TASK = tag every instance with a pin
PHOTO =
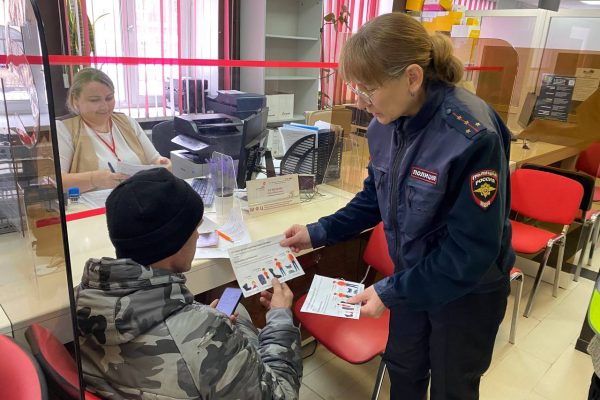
x=591, y=2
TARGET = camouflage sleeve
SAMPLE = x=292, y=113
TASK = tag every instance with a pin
x=226, y=365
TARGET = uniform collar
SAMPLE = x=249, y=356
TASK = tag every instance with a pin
x=435, y=94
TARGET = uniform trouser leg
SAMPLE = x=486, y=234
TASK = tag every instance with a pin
x=461, y=343
x=594, y=393
x=455, y=341
x=407, y=354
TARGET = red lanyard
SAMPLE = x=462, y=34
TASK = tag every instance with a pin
x=111, y=146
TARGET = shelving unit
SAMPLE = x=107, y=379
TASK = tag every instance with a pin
x=282, y=30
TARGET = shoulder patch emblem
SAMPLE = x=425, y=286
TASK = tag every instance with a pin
x=484, y=187
x=424, y=175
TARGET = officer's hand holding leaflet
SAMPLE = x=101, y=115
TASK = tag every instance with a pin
x=372, y=306
x=297, y=238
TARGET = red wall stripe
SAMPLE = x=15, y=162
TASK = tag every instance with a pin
x=40, y=223
x=58, y=59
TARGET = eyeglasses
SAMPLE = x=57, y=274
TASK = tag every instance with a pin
x=363, y=94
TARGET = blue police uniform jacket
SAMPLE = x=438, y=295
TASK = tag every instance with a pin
x=440, y=182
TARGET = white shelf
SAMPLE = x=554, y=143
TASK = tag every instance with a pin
x=290, y=78
x=286, y=30
x=271, y=36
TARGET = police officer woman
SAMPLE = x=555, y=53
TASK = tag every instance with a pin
x=439, y=180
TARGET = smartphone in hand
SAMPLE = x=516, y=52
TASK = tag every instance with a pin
x=229, y=300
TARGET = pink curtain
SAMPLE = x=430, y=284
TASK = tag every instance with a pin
x=333, y=90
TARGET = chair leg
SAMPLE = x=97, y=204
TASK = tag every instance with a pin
x=378, y=380
x=588, y=225
x=515, y=315
x=559, y=263
x=536, y=283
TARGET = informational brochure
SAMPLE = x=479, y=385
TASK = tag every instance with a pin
x=233, y=233
x=554, y=101
x=257, y=263
x=327, y=296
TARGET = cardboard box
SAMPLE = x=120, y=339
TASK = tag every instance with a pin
x=414, y=5
x=443, y=23
x=465, y=31
x=281, y=106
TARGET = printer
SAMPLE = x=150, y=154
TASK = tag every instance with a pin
x=201, y=134
x=236, y=103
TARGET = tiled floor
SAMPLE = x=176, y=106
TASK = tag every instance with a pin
x=542, y=365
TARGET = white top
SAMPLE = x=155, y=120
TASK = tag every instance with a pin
x=105, y=155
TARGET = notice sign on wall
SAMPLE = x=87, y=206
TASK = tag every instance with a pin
x=554, y=101
x=588, y=81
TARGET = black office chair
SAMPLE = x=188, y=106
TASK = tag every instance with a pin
x=587, y=217
x=306, y=157
x=162, y=133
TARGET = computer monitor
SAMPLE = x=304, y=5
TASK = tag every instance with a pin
x=526, y=115
x=254, y=131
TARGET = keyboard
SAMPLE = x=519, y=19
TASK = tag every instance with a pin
x=204, y=188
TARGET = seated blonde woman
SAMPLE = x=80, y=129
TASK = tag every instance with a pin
x=94, y=138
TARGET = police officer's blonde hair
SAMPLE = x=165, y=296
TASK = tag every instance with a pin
x=383, y=47
x=83, y=77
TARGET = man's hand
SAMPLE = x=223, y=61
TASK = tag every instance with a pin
x=281, y=297
x=372, y=306
x=104, y=179
x=232, y=318
x=165, y=162
x=297, y=238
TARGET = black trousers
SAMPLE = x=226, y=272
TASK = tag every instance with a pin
x=451, y=345
x=594, y=393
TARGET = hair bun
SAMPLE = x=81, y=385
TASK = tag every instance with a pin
x=445, y=66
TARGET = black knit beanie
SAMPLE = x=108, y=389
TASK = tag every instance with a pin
x=151, y=215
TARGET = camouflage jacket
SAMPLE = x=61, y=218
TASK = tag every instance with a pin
x=143, y=336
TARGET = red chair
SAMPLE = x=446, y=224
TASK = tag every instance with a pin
x=547, y=198
x=586, y=216
x=355, y=341
x=589, y=162
x=20, y=375
x=57, y=363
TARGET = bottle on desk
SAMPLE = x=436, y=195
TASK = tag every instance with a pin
x=73, y=195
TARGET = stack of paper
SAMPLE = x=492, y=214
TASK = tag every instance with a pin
x=233, y=233
x=291, y=133
x=131, y=169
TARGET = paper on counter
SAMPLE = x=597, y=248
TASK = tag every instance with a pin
x=131, y=169
x=257, y=263
x=327, y=296
x=95, y=199
x=207, y=225
x=235, y=228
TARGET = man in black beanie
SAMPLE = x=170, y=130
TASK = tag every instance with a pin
x=141, y=333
